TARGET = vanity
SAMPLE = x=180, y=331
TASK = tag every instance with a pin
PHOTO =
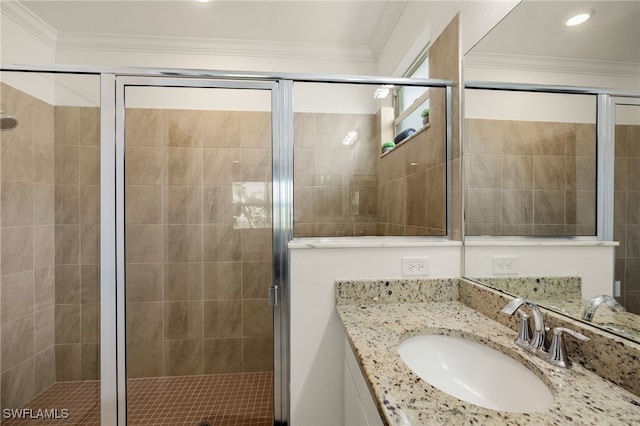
x=601, y=387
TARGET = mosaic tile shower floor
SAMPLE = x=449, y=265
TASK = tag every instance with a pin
x=216, y=400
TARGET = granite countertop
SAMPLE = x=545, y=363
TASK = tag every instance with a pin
x=375, y=331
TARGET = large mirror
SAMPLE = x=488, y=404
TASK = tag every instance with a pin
x=531, y=158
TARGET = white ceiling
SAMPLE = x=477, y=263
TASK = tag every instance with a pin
x=321, y=22
x=533, y=28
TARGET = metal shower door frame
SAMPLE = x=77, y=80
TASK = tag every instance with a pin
x=113, y=339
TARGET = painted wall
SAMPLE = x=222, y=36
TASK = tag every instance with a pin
x=317, y=337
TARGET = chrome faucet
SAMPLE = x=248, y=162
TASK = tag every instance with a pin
x=594, y=303
x=536, y=344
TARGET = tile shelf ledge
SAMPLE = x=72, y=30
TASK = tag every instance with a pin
x=407, y=139
x=371, y=242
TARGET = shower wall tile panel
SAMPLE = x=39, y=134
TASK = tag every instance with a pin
x=411, y=190
x=27, y=251
x=77, y=242
x=196, y=282
x=530, y=178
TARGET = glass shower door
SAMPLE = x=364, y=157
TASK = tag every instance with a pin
x=198, y=243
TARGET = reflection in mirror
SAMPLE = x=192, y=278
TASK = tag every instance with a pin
x=533, y=45
x=346, y=183
x=563, y=295
x=627, y=204
x=602, y=52
x=530, y=164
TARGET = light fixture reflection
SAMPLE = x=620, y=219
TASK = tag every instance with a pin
x=382, y=92
x=350, y=138
x=580, y=18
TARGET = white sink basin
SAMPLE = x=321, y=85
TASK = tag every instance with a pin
x=475, y=373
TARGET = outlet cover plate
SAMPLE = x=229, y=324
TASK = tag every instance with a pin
x=504, y=265
x=617, y=290
x=415, y=266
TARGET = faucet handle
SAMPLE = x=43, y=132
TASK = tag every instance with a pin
x=558, y=351
x=524, y=335
x=557, y=331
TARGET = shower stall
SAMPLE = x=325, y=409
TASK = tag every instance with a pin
x=179, y=208
x=144, y=223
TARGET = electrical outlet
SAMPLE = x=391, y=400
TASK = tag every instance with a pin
x=504, y=265
x=415, y=266
x=617, y=288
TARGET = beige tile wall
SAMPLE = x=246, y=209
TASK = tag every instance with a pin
x=196, y=284
x=627, y=214
x=77, y=243
x=444, y=63
x=412, y=181
x=529, y=178
x=27, y=355
x=334, y=185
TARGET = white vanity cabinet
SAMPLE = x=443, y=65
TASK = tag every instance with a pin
x=359, y=406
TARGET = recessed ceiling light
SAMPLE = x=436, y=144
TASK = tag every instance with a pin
x=203, y=1
x=579, y=18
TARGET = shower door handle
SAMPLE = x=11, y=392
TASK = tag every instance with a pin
x=273, y=295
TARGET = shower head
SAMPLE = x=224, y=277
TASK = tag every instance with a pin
x=7, y=122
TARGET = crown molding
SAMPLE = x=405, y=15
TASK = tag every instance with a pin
x=204, y=46
x=552, y=64
x=386, y=25
x=25, y=18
